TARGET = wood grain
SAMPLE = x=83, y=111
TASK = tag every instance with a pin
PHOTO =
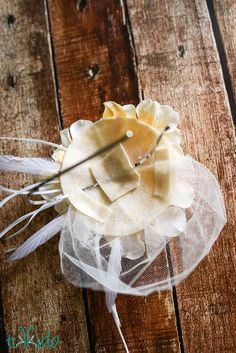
x=92, y=55
x=179, y=65
x=96, y=36
x=33, y=289
x=223, y=15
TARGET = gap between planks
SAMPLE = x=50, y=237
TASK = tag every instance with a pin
x=219, y=44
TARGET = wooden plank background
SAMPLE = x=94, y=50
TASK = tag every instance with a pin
x=33, y=290
x=60, y=60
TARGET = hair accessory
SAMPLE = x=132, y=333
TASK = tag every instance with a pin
x=135, y=214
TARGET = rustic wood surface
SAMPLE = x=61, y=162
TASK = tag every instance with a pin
x=33, y=290
x=181, y=53
x=92, y=54
x=223, y=15
x=180, y=65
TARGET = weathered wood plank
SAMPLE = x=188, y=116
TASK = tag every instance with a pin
x=96, y=37
x=91, y=57
x=223, y=14
x=178, y=65
x=33, y=290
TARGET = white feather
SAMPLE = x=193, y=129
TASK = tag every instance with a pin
x=34, y=141
x=18, y=192
x=32, y=215
x=39, y=238
x=114, y=265
x=46, y=192
x=114, y=268
x=28, y=165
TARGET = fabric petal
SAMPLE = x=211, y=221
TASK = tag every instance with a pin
x=171, y=222
x=178, y=153
x=166, y=116
x=65, y=137
x=113, y=109
x=154, y=242
x=147, y=110
x=132, y=246
x=58, y=155
x=115, y=174
x=165, y=173
x=78, y=127
x=183, y=195
x=173, y=137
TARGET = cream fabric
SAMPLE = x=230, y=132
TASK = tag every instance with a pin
x=165, y=173
x=99, y=135
x=115, y=174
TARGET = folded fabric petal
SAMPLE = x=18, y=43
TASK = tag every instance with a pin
x=113, y=109
x=78, y=127
x=58, y=155
x=147, y=111
x=172, y=137
x=65, y=137
x=183, y=195
x=165, y=173
x=166, y=116
x=171, y=222
x=88, y=205
x=154, y=242
x=132, y=246
x=115, y=174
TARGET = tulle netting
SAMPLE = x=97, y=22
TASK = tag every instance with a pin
x=157, y=262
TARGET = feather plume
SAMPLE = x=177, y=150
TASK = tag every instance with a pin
x=18, y=192
x=32, y=215
x=33, y=141
x=114, y=265
x=45, y=192
x=28, y=165
x=114, y=268
x=39, y=238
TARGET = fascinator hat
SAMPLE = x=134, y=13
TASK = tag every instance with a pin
x=135, y=214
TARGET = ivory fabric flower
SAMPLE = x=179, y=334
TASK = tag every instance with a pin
x=125, y=198
x=121, y=205
x=166, y=189
x=118, y=210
